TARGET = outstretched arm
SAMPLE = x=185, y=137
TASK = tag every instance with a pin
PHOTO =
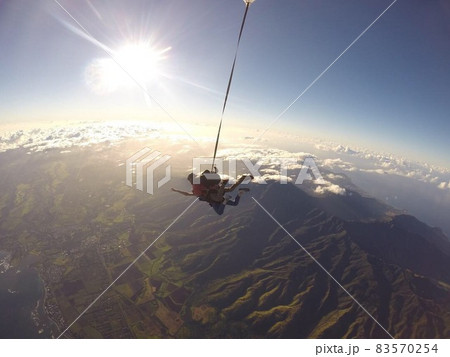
x=238, y=182
x=184, y=193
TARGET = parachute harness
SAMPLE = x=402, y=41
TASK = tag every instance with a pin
x=247, y=5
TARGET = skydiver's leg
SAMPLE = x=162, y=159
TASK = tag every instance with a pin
x=238, y=197
x=218, y=207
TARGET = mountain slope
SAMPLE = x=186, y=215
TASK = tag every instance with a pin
x=236, y=275
x=260, y=283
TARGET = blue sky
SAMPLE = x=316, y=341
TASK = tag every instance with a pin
x=389, y=92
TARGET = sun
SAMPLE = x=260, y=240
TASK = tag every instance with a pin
x=141, y=61
x=132, y=64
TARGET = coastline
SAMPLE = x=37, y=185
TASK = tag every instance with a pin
x=49, y=310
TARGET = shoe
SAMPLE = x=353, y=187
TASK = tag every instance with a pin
x=242, y=191
x=226, y=198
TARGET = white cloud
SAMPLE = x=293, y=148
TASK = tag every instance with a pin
x=334, y=176
x=444, y=185
x=329, y=187
x=263, y=179
x=327, y=146
x=270, y=156
x=270, y=171
x=364, y=160
x=375, y=171
x=80, y=135
x=338, y=163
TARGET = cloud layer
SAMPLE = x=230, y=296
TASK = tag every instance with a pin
x=80, y=135
x=333, y=157
x=384, y=164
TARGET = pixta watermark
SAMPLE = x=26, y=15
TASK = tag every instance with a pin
x=143, y=164
x=141, y=168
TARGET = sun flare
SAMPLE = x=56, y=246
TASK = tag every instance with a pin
x=134, y=63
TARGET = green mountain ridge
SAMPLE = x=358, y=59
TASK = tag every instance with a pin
x=264, y=285
x=237, y=275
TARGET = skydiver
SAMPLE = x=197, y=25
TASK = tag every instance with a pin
x=212, y=190
x=202, y=189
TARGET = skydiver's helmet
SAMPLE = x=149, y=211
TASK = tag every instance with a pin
x=190, y=178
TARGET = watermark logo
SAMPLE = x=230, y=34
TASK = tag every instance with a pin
x=141, y=168
x=144, y=164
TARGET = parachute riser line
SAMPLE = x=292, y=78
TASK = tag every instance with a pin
x=247, y=5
